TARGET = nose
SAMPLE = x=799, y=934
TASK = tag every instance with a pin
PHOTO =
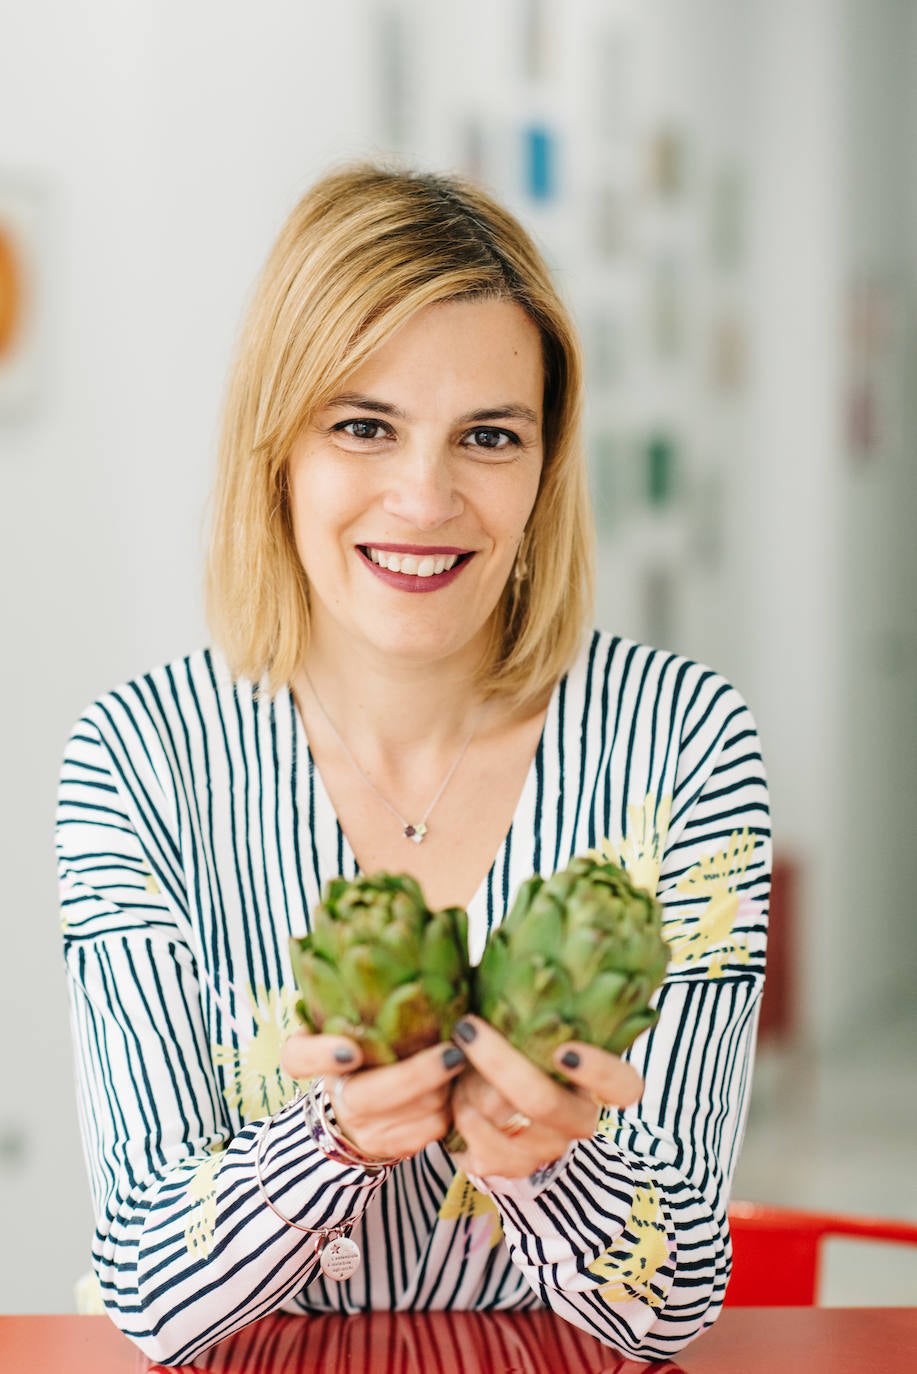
x=421, y=489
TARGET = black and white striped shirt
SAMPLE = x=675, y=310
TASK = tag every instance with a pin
x=194, y=837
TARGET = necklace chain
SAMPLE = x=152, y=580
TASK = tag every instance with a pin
x=412, y=831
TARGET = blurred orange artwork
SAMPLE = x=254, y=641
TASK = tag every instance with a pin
x=10, y=294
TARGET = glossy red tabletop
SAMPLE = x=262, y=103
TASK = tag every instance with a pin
x=744, y=1341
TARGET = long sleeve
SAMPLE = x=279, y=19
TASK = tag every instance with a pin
x=627, y=1236
x=195, y=837
x=185, y=1249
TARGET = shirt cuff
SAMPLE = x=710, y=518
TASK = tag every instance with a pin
x=524, y=1189
x=302, y=1182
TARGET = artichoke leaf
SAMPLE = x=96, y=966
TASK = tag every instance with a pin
x=408, y=1021
x=629, y=1029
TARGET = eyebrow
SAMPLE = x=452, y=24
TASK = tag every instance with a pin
x=511, y=411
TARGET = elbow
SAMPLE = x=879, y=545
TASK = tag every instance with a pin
x=160, y=1348
x=165, y=1345
x=662, y=1341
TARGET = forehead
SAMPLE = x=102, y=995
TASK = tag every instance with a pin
x=456, y=349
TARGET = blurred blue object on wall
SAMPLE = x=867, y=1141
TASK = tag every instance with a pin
x=540, y=162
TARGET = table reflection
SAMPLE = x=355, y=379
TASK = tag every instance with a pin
x=415, y=1343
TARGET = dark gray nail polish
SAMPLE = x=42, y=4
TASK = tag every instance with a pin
x=570, y=1060
x=343, y=1055
x=465, y=1031
x=452, y=1057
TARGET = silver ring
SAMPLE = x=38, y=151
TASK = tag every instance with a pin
x=515, y=1124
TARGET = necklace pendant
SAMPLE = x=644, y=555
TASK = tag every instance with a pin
x=415, y=832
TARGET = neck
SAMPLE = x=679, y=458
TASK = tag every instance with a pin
x=390, y=708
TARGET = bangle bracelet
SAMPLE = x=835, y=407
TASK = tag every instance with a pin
x=331, y=1142
x=338, y=1255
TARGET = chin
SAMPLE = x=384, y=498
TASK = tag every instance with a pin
x=433, y=647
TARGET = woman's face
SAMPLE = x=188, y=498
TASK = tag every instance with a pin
x=411, y=488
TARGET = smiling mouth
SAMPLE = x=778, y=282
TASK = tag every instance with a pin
x=413, y=564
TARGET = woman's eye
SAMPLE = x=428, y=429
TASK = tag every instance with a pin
x=491, y=438
x=361, y=429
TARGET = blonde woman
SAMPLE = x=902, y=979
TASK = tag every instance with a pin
x=403, y=678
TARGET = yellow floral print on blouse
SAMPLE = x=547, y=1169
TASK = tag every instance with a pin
x=202, y=1218
x=610, y=1120
x=640, y=851
x=257, y=1084
x=716, y=877
x=630, y=1265
x=464, y=1200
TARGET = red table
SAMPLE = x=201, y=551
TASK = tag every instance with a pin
x=782, y=1340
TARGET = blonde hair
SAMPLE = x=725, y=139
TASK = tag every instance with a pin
x=364, y=250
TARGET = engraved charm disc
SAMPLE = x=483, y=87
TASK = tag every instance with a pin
x=340, y=1258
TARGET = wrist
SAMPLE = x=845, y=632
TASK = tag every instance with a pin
x=327, y=1135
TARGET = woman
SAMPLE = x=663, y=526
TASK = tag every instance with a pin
x=399, y=587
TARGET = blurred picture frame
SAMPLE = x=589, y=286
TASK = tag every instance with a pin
x=728, y=353
x=390, y=43
x=22, y=213
x=667, y=171
x=667, y=307
x=612, y=226
x=537, y=47
x=607, y=354
x=540, y=163
x=728, y=216
x=614, y=81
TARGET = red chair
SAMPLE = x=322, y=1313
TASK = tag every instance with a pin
x=777, y=1250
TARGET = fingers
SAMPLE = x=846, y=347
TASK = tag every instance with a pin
x=389, y=1131
x=399, y=1108
x=395, y=1109
x=304, y=1055
x=488, y=1149
x=603, y=1076
x=394, y=1086
x=521, y=1085
x=422, y=1078
x=309, y=1056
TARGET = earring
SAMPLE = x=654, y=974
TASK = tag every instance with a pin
x=520, y=567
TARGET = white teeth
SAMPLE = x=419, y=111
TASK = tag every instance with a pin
x=411, y=564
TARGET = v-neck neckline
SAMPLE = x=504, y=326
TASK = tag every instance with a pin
x=350, y=865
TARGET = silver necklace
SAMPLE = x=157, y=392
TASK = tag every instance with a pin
x=415, y=830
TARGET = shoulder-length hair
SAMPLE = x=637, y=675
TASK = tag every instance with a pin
x=364, y=250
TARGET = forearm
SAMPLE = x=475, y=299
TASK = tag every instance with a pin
x=623, y=1247
x=628, y=1236
x=199, y=1254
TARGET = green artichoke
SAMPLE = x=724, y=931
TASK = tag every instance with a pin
x=378, y=966
x=577, y=958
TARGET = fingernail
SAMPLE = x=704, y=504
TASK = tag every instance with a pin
x=452, y=1057
x=343, y=1055
x=570, y=1060
x=465, y=1031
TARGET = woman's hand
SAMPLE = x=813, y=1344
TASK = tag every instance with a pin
x=394, y=1110
x=503, y=1089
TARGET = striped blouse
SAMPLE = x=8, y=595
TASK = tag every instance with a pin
x=194, y=836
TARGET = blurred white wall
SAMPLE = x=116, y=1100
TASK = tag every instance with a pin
x=788, y=551
x=877, y=590
x=168, y=141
